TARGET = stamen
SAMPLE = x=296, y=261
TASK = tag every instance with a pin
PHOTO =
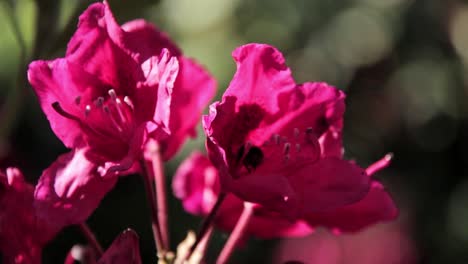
x=112, y=94
x=56, y=106
x=99, y=102
x=379, y=165
x=298, y=147
x=111, y=117
x=296, y=132
x=309, y=134
x=276, y=138
x=128, y=101
x=287, y=148
x=87, y=110
x=123, y=118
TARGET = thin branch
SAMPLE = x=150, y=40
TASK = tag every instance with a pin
x=93, y=242
x=236, y=234
x=150, y=197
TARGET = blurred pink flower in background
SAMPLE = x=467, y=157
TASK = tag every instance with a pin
x=196, y=184
x=387, y=243
x=22, y=232
x=278, y=143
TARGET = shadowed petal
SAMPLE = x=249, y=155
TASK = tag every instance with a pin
x=124, y=250
x=70, y=189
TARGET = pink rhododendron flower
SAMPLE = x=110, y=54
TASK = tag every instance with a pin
x=383, y=244
x=22, y=232
x=278, y=143
x=70, y=189
x=113, y=89
x=196, y=183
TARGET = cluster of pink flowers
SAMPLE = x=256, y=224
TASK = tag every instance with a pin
x=124, y=99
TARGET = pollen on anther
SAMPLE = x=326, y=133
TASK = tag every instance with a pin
x=128, y=101
x=87, y=110
x=99, y=102
x=112, y=94
x=285, y=198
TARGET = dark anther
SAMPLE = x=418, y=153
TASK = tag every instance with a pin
x=253, y=158
x=240, y=154
x=56, y=106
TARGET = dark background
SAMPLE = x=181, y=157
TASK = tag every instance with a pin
x=402, y=63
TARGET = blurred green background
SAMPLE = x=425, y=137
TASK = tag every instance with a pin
x=402, y=63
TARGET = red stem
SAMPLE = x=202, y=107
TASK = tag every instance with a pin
x=150, y=197
x=236, y=234
x=88, y=233
x=161, y=197
x=207, y=222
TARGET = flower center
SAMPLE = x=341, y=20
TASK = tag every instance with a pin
x=295, y=145
x=105, y=116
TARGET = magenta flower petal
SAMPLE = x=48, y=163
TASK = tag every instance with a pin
x=70, y=189
x=377, y=206
x=22, y=233
x=196, y=184
x=98, y=40
x=146, y=40
x=329, y=183
x=124, y=250
x=193, y=89
x=49, y=79
x=261, y=75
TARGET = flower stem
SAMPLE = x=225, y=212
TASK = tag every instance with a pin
x=88, y=233
x=161, y=197
x=152, y=156
x=207, y=222
x=150, y=197
x=198, y=253
x=236, y=234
